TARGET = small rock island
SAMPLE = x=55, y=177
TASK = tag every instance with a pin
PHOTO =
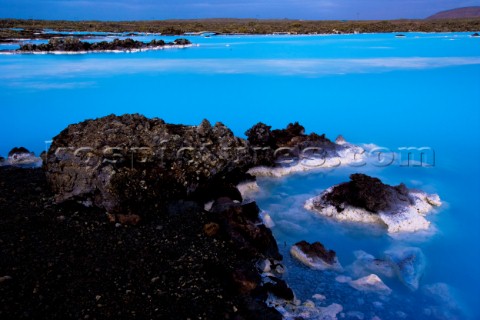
x=368, y=200
x=315, y=256
x=72, y=44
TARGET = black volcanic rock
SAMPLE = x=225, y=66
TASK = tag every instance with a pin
x=72, y=44
x=18, y=150
x=317, y=250
x=267, y=143
x=279, y=288
x=125, y=163
x=22, y=157
x=366, y=192
x=182, y=42
x=65, y=261
x=260, y=135
x=293, y=135
x=241, y=223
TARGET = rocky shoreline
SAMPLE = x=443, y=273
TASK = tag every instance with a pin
x=134, y=217
x=123, y=231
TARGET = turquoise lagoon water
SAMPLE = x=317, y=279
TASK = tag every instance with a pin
x=421, y=90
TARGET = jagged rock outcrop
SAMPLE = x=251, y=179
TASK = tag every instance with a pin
x=137, y=166
x=368, y=193
x=284, y=151
x=267, y=141
x=242, y=224
x=315, y=255
x=367, y=199
x=123, y=164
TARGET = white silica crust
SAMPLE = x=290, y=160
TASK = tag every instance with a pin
x=371, y=283
x=104, y=51
x=27, y=160
x=306, y=310
x=248, y=188
x=346, y=154
x=402, y=218
x=267, y=219
x=314, y=263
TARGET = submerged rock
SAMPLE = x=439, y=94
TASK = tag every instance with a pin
x=306, y=310
x=356, y=315
x=366, y=199
x=371, y=283
x=125, y=163
x=343, y=279
x=366, y=264
x=442, y=303
x=315, y=255
x=409, y=264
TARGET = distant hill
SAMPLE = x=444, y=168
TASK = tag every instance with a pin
x=458, y=13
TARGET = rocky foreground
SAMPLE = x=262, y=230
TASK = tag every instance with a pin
x=115, y=225
x=71, y=262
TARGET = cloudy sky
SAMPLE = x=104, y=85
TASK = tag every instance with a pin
x=189, y=9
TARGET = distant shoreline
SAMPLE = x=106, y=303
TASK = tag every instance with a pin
x=28, y=29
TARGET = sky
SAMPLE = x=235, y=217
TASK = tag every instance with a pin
x=192, y=9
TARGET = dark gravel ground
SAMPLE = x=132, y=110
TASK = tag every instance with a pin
x=70, y=262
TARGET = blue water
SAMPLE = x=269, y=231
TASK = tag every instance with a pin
x=422, y=90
